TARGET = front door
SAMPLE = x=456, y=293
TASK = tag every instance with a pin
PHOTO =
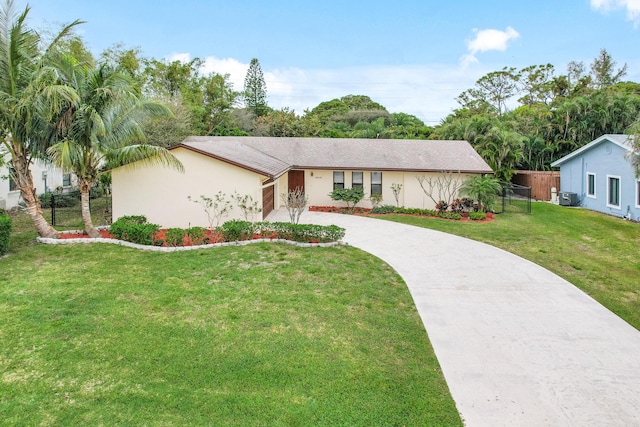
x=296, y=180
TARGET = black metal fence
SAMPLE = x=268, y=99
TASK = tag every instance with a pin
x=514, y=199
x=66, y=210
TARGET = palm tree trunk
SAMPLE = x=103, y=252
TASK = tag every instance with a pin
x=24, y=181
x=85, y=186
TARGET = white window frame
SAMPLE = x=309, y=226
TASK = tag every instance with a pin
x=355, y=184
x=336, y=183
x=638, y=193
x=376, y=185
x=609, y=178
x=592, y=195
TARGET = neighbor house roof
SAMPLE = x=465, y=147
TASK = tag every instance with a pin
x=274, y=156
x=624, y=141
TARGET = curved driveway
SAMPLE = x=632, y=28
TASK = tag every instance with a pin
x=518, y=345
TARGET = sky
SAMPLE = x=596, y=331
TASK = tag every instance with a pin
x=412, y=56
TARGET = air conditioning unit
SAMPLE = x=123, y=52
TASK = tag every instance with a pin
x=568, y=199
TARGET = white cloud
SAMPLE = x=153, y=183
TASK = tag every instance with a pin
x=632, y=7
x=487, y=40
x=428, y=92
x=182, y=57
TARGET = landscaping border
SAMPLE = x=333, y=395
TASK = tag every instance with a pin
x=51, y=241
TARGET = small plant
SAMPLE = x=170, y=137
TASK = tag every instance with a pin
x=197, y=235
x=396, y=188
x=457, y=206
x=477, y=216
x=215, y=207
x=174, y=236
x=247, y=205
x=442, y=206
x=295, y=202
x=376, y=199
x=351, y=196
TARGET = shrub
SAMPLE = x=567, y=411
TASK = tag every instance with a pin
x=61, y=200
x=442, y=206
x=134, y=229
x=450, y=215
x=477, y=216
x=351, y=196
x=235, y=230
x=384, y=209
x=197, y=235
x=174, y=236
x=5, y=231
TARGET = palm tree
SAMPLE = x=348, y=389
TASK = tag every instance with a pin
x=483, y=189
x=31, y=98
x=103, y=129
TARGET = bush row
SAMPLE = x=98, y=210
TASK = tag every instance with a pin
x=387, y=209
x=135, y=229
x=5, y=230
x=68, y=199
x=241, y=230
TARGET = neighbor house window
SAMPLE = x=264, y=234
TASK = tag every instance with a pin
x=591, y=184
x=66, y=180
x=338, y=180
x=13, y=186
x=613, y=191
x=376, y=182
x=638, y=193
x=356, y=180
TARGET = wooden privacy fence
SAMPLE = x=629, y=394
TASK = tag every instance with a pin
x=540, y=182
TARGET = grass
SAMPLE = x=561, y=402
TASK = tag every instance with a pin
x=600, y=254
x=265, y=334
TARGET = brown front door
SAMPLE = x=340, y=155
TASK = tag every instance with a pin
x=267, y=200
x=296, y=179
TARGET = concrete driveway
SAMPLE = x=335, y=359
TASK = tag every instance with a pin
x=518, y=345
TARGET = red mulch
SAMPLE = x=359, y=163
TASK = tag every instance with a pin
x=366, y=212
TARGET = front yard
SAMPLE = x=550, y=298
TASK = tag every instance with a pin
x=265, y=334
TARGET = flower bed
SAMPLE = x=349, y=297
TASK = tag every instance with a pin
x=388, y=209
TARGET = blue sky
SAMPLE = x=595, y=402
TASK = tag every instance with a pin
x=411, y=56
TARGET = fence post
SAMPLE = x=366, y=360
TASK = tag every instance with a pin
x=53, y=210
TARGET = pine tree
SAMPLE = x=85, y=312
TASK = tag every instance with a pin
x=255, y=89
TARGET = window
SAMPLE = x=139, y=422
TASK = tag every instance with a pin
x=638, y=193
x=356, y=180
x=66, y=180
x=338, y=180
x=13, y=186
x=376, y=182
x=591, y=184
x=613, y=192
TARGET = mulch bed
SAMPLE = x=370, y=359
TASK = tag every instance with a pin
x=367, y=212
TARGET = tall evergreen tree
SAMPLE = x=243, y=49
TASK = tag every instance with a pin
x=255, y=89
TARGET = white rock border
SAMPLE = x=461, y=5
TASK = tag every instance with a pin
x=50, y=241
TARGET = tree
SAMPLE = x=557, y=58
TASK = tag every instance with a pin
x=255, y=89
x=493, y=89
x=102, y=129
x=31, y=100
x=603, y=70
x=536, y=83
x=483, y=189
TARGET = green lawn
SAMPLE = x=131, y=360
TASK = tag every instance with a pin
x=265, y=334
x=598, y=253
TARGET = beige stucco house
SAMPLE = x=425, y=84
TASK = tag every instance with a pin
x=265, y=168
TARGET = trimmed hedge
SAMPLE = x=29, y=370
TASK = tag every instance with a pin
x=242, y=230
x=134, y=229
x=6, y=224
x=477, y=216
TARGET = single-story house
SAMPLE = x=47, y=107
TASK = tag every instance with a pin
x=265, y=168
x=601, y=175
x=46, y=177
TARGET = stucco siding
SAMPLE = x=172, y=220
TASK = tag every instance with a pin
x=604, y=161
x=11, y=199
x=161, y=193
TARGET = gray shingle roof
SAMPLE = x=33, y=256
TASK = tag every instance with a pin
x=274, y=156
x=624, y=141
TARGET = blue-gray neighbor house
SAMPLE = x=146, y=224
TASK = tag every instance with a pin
x=601, y=175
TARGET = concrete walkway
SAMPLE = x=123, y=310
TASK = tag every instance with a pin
x=518, y=345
